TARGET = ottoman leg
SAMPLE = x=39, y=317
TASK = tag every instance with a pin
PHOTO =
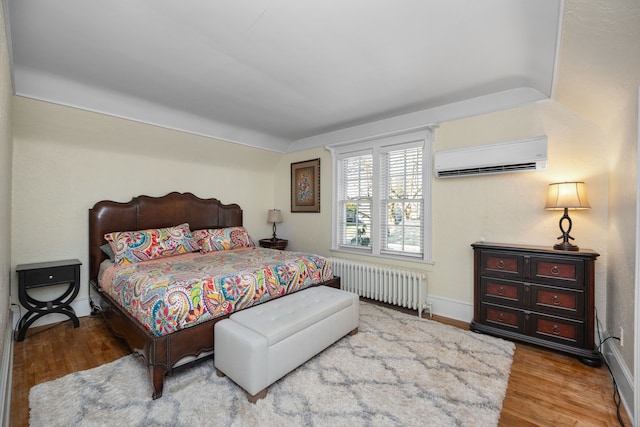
x=253, y=398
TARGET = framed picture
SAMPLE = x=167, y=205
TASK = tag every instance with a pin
x=305, y=186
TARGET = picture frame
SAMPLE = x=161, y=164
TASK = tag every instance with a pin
x=305, y=186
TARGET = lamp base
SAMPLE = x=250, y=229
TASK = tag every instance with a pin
x=565, y=246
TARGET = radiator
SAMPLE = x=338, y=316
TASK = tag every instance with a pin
x=405, y=288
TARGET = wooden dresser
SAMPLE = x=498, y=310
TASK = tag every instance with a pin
x=536, y=295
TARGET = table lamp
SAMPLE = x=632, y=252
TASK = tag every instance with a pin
x=566, y=195
x=274, y=216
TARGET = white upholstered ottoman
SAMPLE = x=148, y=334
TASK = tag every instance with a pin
x=258, y=346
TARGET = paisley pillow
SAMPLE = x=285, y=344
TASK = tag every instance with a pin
x=222, y=239
x=134, y=246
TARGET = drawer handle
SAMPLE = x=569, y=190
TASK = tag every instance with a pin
x=501, y=290
x=50, y=276
x=555, y=270
x=501, y=317
x=555, y=300
x=501, y=264
x=555, y=330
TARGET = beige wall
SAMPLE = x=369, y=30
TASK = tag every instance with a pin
x=306, y=231
x=5, y=182
x=499, y=208
x=65, y=160
x=598, y=79
x=509, y=208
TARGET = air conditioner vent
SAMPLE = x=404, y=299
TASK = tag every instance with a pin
x=489, y=169
x=517, y=156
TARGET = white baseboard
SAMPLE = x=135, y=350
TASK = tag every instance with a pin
x=80, y=306
x=6, y=370
x=451, y=309
x=621, y=373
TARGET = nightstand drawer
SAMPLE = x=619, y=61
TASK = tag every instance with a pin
x=502, y=291
x=49, y=276
x=502, y=264
x=557, y=300
x=280, y=244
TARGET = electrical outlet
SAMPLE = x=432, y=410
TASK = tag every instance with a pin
x=621, y=337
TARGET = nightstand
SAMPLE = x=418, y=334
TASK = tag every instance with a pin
x=280, y=244
x=38, y=275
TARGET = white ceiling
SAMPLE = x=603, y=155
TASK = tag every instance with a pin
x=284, y=74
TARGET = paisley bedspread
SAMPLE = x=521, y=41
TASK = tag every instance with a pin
x=170, y=294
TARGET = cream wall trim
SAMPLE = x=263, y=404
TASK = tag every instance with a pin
x=128, y=107
x=636, y=309
x=451, y=309
x=6, y=372
x=622, y=374
x=414, y=121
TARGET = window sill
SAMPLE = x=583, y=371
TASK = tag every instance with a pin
x=368, y=253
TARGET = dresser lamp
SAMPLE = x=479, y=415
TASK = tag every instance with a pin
x=566, y=195
x=275, y=216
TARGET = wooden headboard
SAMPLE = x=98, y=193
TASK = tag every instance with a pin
x=145, y=212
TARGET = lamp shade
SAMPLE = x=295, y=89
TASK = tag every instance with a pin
x=570, y=195
x=275, y=216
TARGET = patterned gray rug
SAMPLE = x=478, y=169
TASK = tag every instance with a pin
x=398, y=370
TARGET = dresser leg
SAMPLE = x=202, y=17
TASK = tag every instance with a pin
x=594, y=362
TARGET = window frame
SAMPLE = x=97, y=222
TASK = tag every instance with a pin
x=376, y=146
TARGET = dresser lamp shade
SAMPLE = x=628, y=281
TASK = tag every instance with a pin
x=565, y=196
x=274, y=216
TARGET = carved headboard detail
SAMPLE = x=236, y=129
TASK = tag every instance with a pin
x=144, y=212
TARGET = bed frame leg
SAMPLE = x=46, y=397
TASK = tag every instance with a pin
x=157, y=380
x=352, y=333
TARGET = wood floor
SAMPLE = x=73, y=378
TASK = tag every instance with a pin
x=545, y=388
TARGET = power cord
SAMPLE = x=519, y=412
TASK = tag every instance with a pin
x=617, y=400
x=15, y=328
x=96, y=310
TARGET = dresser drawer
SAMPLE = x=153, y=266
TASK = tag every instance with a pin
x=563, y=331
x=500, y=264
x=502, y=291
x=503, y=317
x=559, y=301
x=49, y=276
x=565, y=272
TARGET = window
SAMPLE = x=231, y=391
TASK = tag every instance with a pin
x=356, y=196
x=382, y=196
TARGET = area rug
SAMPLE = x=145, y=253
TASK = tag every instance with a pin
x=399, y=370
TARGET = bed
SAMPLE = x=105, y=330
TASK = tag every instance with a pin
x=165, y=349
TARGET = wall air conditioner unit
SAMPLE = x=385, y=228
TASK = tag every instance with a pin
x=506, y=157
